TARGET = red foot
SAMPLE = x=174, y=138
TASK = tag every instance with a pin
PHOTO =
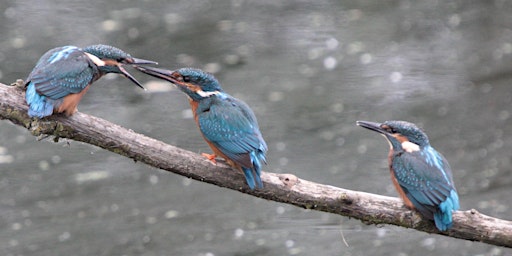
x=210, y=157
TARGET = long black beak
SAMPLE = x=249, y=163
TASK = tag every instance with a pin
x=129, y=76
x=158, y=73
x=376, y=127
x=143, y=62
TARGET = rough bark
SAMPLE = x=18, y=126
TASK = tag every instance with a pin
x=285, y=188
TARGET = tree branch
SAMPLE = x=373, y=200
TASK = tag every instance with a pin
x=285, y=188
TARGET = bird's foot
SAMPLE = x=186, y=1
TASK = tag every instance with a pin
x=210, y=157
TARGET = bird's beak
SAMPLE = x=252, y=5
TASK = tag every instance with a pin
x=376, y=127
x=136, y=61
x=159, y=73
x=129, y=76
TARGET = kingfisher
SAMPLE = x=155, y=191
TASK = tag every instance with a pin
x=63, y=75
x=226, y=123
x=420, y=174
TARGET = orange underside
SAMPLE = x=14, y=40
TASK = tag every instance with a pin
x=399, y=189
x=216, y=151
x=70, y=102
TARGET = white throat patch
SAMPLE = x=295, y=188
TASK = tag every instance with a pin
x=96, y=60
x=206, y=94
x=410, y=147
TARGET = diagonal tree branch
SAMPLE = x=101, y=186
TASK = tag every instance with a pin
x=284, y=188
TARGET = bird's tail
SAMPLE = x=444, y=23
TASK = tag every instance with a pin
x=39, y=106
x=253, y=175
x=443, y=217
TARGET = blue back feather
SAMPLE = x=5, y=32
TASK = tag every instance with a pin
x=231, y=126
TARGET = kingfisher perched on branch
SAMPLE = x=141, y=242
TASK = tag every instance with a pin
x=63, y=75
x=227, y=124
x=421, y=175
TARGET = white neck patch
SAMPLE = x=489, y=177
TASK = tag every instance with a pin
x=96, y=60
x=410, y=147
x=206, y=94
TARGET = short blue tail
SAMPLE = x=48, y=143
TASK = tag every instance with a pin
x=443, y=218
x=252, y=175
x=39, y=106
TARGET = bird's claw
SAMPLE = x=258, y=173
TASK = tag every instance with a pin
x=210, y=157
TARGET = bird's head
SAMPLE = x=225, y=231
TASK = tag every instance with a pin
x=110, y=59
x=400, y=134
x=197, y=84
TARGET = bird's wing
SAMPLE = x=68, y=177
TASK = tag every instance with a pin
x=62, y=71
x=231, y=126
x=425, y=177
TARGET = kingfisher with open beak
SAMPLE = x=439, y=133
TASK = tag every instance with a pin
x=63, y=75
x=421, y=175
x=227, y=124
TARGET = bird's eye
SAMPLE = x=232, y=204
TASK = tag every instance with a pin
x=185, y=79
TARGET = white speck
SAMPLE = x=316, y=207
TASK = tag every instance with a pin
x=16, y=226
x=110, y=25
x=232, y=59
x=361, y=149
x=13, y=242
x=225, y=25
x=56, y=159
x=330, y=63
x=289, y=243
x=503, y=115
x=151, y=220
x=280, y=146
x=251, y=225
x=91, y=176
x=355, y=47
x=172, y=18
x=366, y=58
x=429, y=243
x=64, y=236
x=239, y=233
x=114, y=208
x=275, y=96
x=186, y=182
x=454, y=20
x=44, y=165
x=381, y=232
x=18, y=42
x=133, y=33
x=187, y=114
x=208, y=254
x=294, y=251
x=185, y=59
x=208, y=236
x=283, y=161
x=332, y=43
x=171, y=214
x=6, y=159
x=337, y=107
x=355, y=14
x=395, y=77
x=442, y=111
x=3, y=150
x=153, y=179
x=213, y=67
x=10, y=13
x=260, y=241
x=155, y=86
x=315, y=53
x=280, y=210
x=21, y=139
x=507, y=48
